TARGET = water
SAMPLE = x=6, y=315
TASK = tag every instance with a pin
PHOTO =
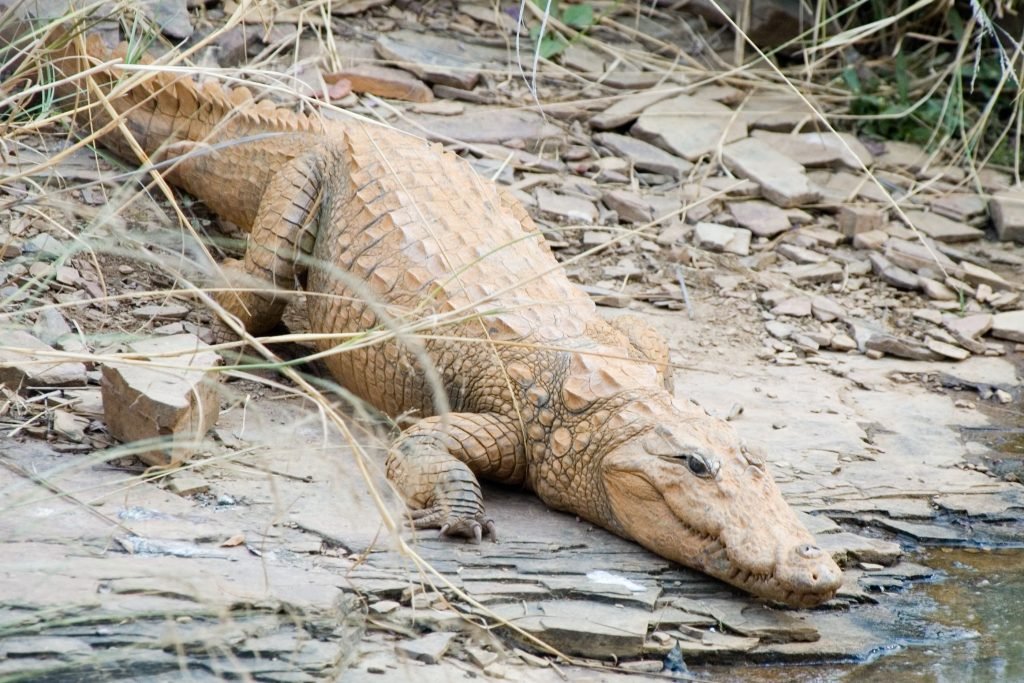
x=966, y=626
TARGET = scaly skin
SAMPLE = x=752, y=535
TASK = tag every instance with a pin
x=386, y=230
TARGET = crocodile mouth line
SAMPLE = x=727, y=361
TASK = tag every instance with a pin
x=757, y=583
x=761, y=583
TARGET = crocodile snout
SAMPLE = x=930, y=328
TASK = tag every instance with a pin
x=812, y=571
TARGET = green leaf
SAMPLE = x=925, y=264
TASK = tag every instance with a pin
x=552, y=44
x=578, y=16
x=852, y=80
x=902, y=77
x=543, y=5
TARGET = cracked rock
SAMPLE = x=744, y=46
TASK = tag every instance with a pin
x=172, y=400
x=782, y=180
x=689, y=126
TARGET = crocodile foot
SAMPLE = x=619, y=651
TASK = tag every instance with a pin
x=439, y=517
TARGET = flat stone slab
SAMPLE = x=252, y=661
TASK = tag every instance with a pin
x=626, y=109
x=436, y=58
x=645, y=156
x=483, y=124
x=582, y=628
x=565, y=207
x=715, y=237
x=26, y=361
x=943, y=229
x=819, y=149
x=782, y=180
x=688, y=126
x=762, y=218
x=1008, y=325
x=386, y=82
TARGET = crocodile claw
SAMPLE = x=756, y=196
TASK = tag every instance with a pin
x=474, y=528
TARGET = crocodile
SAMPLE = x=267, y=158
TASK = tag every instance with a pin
x=385, y=231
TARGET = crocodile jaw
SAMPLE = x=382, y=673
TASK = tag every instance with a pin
x=734, y=526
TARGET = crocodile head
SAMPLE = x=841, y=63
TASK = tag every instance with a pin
x=691, y=492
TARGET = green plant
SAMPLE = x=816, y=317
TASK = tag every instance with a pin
x=552, y=43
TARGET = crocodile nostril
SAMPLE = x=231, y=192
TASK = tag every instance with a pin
x=809, y=551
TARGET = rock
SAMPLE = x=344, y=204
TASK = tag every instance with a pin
x=187, y=483
x=631, y=207
x=44, y=247
x=631, y=80
x=799, y=254
x=942, y=229
x=1009, y=325
x=579, y=57
x=858, y=218
x=383, y=81
x=715, y=237
x=564, y=207
x=626, y=109
x=977, y=275
x=174, y=399
x=487, y=125
x=843, y=342
x=428, y=649
x=928, y=315
x=902, y=155
x=965, y=207
x=161, y=312
x=579, y=627
x=1007, y=209
x=773, y=110
x=823, y=236
x=602, y=296
x=172, y=16
x=947, y=350
x=934, y=289
x=969, y=327
x=645, y=156
x=893, y=274
x=779, y=330
x=433, y=57
x=69, y=426
x=872, y=239
x=815, y=273
x=819, y=149
x=760, y=217
x=797, y=307
x=901, y=347
x=24, y=363
x=825, y=309
x=53, y=329
x=688, y=126
x=782, y=180
x=915, y=255
x=440, y=108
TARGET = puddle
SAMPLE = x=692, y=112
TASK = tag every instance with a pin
x=1006, y=449
x=965, y=626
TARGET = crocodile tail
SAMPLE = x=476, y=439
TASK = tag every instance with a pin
x=157, y=107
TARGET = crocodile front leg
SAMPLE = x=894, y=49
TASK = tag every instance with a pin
x=435, y=468
x=282, y=236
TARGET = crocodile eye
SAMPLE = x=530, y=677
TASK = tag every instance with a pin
x=698, y=466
